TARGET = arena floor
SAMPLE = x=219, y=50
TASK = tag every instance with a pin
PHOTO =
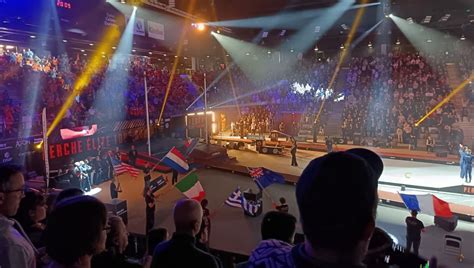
x=234, y=232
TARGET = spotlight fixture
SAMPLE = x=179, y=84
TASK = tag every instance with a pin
x=370, y=44
x=247, y=53
x=316, y=49
x=199, y=26
x=175, y=56
x=341, y=47
x=122, y=1
x=463, y=37
x=114, y=48
x=32, y=36
x=9, y=47
x=429, y=41
x=218, y=31
x=91, y=44
x=398, y=42
x=292, y=50
x=64, y=41
x=82, y=50
x=269, y=52
x=134, y=50
x=150, y=53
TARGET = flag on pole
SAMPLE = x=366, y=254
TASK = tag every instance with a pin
x=120, y=168
x=264, y=177
x=191, y=187
x=190, y=145
x=427, y=204
x=175, y=160
x=234, y=199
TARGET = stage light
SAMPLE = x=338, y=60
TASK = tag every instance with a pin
x=463, y=37
x=150, y=53
x=114, y=48
x=91, y=44
x=429, y=41
x=39, y=145
x=341, y=47
x=370, y=44
x=292, y=50
x=84, y=54
x=64, y=41
x=9, y=47
x=316, y=49
x=134, y=7
x=218, y=31
x=199, y=26
x=32, y=36
x=123, y=1
x=1, y=46
x=134, y=50
x=446, y=99
x=398, y=42
x=269, y=52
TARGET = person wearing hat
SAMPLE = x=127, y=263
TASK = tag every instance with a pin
x=337, y=209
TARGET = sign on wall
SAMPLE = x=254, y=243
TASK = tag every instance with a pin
x=156, y=30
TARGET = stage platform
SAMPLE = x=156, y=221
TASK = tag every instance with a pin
x=392, y=153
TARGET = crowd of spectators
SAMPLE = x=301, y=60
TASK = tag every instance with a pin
x=388, y=94
x=409, y=84
x=48, y=81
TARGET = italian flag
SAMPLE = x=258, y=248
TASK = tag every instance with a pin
x=191, y=187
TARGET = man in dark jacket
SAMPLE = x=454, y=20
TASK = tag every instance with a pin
x=181, y=250
x=414, y=229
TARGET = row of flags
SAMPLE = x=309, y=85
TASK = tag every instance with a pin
x=191, y=187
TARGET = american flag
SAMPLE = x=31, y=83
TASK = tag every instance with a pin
x=120, y=168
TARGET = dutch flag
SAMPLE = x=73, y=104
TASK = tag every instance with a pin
x=175, y=160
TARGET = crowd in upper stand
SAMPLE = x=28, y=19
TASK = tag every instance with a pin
x=388, y=94
x=51, y=80
x=384, y=94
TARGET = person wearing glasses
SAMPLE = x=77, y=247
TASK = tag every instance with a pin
x=16, y=249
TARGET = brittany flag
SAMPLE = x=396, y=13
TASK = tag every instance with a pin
x=175, y=160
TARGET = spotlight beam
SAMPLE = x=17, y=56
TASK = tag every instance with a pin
x=445, y=100
x=355, y=26
x=95, y=64
x=190, y=8
x=364, y=35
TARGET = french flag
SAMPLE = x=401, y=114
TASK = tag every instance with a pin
x=427, y=204
x=175, y=160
